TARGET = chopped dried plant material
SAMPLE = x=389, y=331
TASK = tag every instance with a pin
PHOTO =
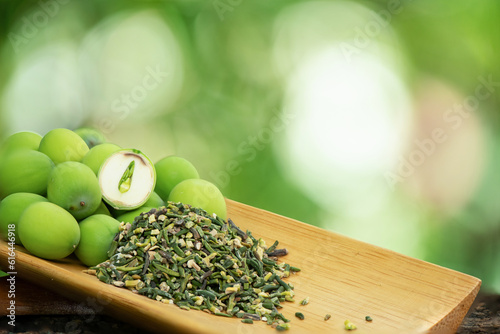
x=181, y=255
x=299, y=315
x=348, y=325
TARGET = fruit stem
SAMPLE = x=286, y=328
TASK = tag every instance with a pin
x=126, y=180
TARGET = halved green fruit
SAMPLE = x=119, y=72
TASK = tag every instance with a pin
x=24, y=171
x=202, y=194
x=96, y=234
x=11, y=209
x=170, y=171
x=63, y=145
x=127, y=179
x=74, y=187
x=48, y=231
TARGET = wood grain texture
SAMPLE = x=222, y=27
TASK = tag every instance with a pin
x=343, y=277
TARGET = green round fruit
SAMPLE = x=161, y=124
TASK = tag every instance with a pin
x=170, y=171
x=63, y=145
x=24, y=171
x=130, y=215
x=102, y=210
x=74, y=187
x=48, y=231
x=98, y=154
x=202, y=194
x=127, y=179
x=11, y=209
x=91, y=136
x=96, y=234
x=21, y=140
x=154, y=201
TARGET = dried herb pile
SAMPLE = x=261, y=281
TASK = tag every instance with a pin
x=179, y=254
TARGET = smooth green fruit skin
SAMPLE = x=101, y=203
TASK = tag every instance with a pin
x=24, y=171
x=130, y=215
x=63, y=145
x=74, y=187
x=98, y=154
x=11, y=209
x=21, y=140
x=96, y=234
x=48, y=231
x=102, y=210
x=91, y=136
x=170, y=171
x=154, y=201
x=202, y=194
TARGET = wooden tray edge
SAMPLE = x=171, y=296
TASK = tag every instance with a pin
x=451, y=322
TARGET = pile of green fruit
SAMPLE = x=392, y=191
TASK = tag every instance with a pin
x=68, y=191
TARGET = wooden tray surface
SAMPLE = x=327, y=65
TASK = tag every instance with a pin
x=341, y=276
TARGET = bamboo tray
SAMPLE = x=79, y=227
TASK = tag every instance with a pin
x=343, y=277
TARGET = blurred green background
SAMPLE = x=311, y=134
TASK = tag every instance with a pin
x=375, y=119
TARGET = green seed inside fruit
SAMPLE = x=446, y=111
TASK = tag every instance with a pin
x=200, y=193
x=48, y=231
x=127, y=179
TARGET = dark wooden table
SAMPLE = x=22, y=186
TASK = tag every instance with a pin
x=483, y=316
x=41, y=311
